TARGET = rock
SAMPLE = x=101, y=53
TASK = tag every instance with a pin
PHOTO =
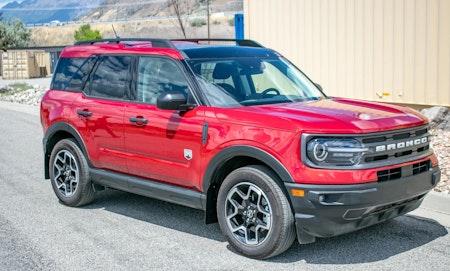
x=31, y=96
x=437, y=116
x=4, y=89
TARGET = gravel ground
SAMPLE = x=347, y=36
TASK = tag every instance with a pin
x=440, y=142
x=440, y=139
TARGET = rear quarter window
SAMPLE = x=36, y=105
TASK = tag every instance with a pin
x=70, y=73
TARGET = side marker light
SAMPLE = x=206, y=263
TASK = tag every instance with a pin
x=298, y=192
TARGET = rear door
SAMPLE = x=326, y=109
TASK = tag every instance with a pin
x=100, y=112
x=163, y=145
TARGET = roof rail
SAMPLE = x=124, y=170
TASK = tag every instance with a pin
x=160, y=43
x=165, y=43
x=240, y=42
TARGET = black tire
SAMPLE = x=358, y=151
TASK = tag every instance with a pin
x=254, y=214
x=69, y=174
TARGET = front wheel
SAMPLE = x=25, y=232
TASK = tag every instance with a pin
x=69, y=174
x=254, y=213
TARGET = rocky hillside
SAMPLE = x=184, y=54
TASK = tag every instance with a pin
x=64, y=35
x=146, y=19
x=142, y=19
x=131, y=9
x=46, y=11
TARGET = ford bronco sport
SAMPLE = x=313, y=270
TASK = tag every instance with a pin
x=235, y=130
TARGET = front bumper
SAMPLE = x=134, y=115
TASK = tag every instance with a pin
x=330, y=210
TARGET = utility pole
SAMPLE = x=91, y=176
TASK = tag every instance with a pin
x=208, y=15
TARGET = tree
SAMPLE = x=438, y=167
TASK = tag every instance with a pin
x=181, y=10
x=178, y=9
x=13, y=34
x=86, y=33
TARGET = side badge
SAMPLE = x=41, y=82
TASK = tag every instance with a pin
x=188, y=154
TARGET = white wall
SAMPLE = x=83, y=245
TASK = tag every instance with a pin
x=398, y=50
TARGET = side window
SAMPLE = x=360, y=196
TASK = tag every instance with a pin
x=70, y=73
x=110, y=79
x=222, y=74
x=157, y=75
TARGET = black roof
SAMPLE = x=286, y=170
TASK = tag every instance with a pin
x=199, y=48
x=194, y=52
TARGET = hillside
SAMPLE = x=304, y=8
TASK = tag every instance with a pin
x=45, y=11
x=111, y=10
x=146, y=19
x=63, y=35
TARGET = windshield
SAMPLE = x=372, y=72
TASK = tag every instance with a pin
x=253, y=81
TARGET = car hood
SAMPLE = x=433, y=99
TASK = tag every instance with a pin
x=333, y=115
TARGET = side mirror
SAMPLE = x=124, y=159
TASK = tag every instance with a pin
x=172, y=100
x=318, y=86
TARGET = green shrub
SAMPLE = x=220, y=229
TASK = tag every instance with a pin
x=20, y=86
x=14, y=88
x=197, y=22
x=86, y=33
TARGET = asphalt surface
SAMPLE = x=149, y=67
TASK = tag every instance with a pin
x=121, y=231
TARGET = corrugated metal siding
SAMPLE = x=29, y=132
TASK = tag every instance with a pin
x=19, y=64
x=382, y=50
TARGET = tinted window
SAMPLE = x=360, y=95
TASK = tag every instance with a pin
x=70, y=73
x=157, y=75
x=110, y=78
x=253, y=81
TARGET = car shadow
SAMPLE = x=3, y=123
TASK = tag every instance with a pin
x=371, y=244
x=156, y=212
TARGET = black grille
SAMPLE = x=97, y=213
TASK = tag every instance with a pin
x=396, y=146
x=394, y=205
x=390, y=174
x=381, y=149
x=399, y=172
x=421, y=167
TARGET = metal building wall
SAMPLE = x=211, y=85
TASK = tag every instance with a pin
x=381, y=50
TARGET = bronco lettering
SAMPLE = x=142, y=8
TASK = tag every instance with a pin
x=401, y=145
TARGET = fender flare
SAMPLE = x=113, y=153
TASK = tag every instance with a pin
x=51, y=131
x=248, y=151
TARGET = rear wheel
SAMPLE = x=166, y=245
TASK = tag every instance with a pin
x=69, y=174
x=254, y=213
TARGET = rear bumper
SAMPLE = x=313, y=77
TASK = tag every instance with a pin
x=330, y=210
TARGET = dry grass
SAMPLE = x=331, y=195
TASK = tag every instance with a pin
x=63, y=35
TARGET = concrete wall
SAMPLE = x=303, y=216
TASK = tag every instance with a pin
x=381, y=50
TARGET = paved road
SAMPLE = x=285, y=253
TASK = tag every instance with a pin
x=120, y=231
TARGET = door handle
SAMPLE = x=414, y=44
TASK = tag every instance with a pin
x=84, y=113
x=138, y=121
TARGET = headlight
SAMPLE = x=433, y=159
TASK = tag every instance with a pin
x=335, y=151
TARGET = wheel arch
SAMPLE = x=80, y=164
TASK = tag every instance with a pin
x=54, y=134
x=230, y=159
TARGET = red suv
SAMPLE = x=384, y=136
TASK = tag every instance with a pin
x=235, y=130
